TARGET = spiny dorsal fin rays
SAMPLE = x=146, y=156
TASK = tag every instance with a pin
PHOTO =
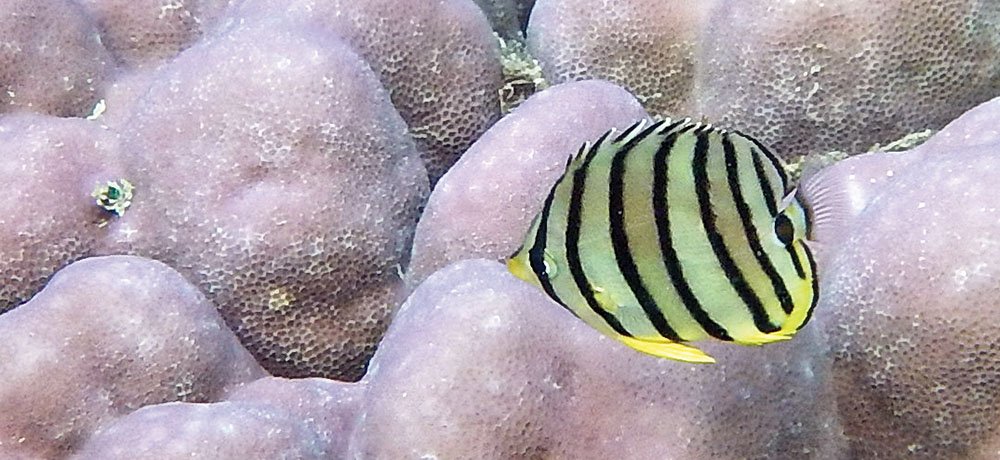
x=570, y=159
x=588, y=149
x=605, y=141
x=630, y=132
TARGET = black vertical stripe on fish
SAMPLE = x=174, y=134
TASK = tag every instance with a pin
x=772, y=201
x=775, y=163
x=619, y=241
x=536, y=255
x=750, y=230
x=703, y=189
x=573, y=223
x=815, y=287
x=668, y=253
x=796, y=262
x=808, y=212
x=765, y=184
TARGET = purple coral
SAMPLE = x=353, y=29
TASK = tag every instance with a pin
x=105, y=337
x=267, y=418
x=44, y=162
x=910, y=301
x=439, y=59
x=290, y=212
x=52, y=60
x=478, y=364
x=139, y=32
x=804, y=76
x=648, y=46
x=282, y=177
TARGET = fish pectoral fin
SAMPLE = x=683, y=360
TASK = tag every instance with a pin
x=669, y=350
x=762, y=338
x=604, y=300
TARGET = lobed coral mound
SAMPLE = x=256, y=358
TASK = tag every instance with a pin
x=804, y=76
x=302, y=266
x=910, y=301
x=217, y=210
x=106, y=337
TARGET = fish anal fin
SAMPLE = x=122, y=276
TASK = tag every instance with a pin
x=669, y=350
x=763, y=338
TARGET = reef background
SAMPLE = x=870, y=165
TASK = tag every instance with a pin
x=307, y=266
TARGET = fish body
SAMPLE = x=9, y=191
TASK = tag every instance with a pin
x=674, y=232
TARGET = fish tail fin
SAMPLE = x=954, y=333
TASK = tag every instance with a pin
x=764, y=338
x=669, y=350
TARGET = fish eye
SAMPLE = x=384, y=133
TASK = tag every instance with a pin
x=784, y=229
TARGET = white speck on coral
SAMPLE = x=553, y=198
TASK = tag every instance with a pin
x=126, y=233
x=492, y=322
x=807, y=370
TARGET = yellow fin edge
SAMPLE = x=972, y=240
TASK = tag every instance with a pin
x=669, y=350
x=519, y=269
x=765, y=338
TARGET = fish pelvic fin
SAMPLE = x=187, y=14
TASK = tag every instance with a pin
x=763, y=338
x=669, y=350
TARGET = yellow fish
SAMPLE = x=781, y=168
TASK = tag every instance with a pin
x=672, y=233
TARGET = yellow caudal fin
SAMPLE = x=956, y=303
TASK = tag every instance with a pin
x=762, y=338
x=669, y=350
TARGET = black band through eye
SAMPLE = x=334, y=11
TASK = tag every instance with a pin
x=784, y=229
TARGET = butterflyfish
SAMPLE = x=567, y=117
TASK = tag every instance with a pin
x=674, y=232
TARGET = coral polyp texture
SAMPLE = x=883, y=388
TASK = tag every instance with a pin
x=275, y=174
x=648, y=46
x=439, y=60
x=221, y=236
x=51, y=59
x=803, y=76
x=510, y=374
x=304, y=267
x=139, y=32
x=912, y=326
x=267, y=418
x=43, y=161
x=105, y=337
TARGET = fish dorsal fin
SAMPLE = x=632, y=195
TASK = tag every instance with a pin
x=612, y=138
